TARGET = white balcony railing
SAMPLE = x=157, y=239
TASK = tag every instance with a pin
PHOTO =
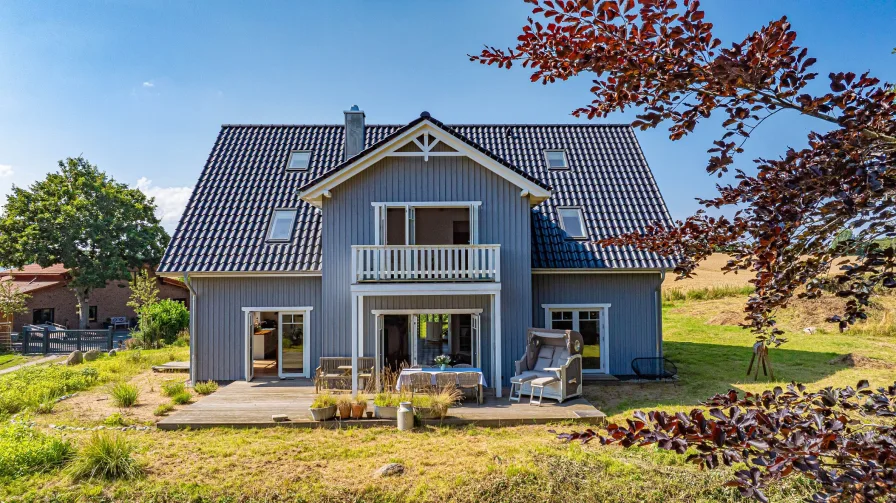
x=426, y=263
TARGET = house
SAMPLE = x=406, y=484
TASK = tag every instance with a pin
x=52, y=302
x=403, y=242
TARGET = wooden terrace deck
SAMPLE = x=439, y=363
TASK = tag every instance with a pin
x=242, y=404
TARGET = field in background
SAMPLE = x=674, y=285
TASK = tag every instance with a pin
x=708, y=275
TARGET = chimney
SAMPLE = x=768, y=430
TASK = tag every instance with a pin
x=354, y=132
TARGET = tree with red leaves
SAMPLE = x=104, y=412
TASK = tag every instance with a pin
x=842, y=438
x=661, y=57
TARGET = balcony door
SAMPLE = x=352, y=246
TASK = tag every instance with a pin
x=427, y=224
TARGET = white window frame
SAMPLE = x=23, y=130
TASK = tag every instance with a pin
x=293, y=153
x=247, y=323
x=604, y=328
x=292, y=228
x=581, y=221
x=548, y=161
x=379, y=218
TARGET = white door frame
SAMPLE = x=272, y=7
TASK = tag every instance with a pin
x=604, y=328
x=247, y=313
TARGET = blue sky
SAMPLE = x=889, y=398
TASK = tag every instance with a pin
x=141, y=88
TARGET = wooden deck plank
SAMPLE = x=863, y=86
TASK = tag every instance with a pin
x=251, y=404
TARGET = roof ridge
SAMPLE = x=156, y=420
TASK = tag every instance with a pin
x=517, y=124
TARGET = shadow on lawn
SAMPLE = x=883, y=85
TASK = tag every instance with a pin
x=707, y=369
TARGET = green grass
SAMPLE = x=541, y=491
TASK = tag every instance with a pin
x=28, y=387
x=106, y=456
x=25, y=451
x=123, y=394
x=706, y=293
x=174, y=387
x=12, y=359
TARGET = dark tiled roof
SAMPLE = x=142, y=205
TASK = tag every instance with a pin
x=224, y=226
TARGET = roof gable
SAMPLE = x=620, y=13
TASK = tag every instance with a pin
x=424, y=137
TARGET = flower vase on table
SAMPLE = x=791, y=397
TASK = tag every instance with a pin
x=442, y=361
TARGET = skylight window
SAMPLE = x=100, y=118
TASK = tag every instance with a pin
x=556, y=159
x=281, y=225
x=573, y=222
x=299, y=160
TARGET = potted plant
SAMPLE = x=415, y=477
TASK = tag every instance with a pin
x=344, y=404
x=385, y=404
x=442, y=361
x=435, y=404
x=359, y=406
x=323, y=407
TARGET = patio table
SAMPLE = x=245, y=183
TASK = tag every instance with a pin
x=404, y=376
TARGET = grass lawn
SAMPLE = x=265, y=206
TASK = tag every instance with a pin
x=12, y=359
x=474, y=464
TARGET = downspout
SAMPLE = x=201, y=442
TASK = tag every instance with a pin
x=659, y=314
x=193, y=335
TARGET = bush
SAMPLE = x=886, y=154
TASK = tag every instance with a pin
x=182, y=398
x=123, y=394
x=46, y=405
x=107, y=456
x=171, y=388
x=163, y=409
x=205, y=388
x=24, y=450
x=115, y=419
x=163, y=321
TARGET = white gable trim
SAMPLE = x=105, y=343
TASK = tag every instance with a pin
x=315, y=194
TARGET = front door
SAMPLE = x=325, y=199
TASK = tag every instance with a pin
x=291, y=346
x=395, y=341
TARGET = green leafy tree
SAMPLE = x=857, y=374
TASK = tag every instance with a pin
x=12, y=301
x=99, y=229
x=144, y=292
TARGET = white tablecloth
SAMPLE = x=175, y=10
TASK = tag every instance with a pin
x=405, y=375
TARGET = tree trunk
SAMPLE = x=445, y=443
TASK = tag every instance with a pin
x=83, y=309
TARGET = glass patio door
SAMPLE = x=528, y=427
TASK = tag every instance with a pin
x=291, y=361
x=590, y=323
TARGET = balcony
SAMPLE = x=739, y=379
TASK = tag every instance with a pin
x=409, y=263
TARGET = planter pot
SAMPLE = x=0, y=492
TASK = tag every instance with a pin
x=385, y=412
x=345, y=411
x=428, y=413
x=323, y=414
x=358, y=411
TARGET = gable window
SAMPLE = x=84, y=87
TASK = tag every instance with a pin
x=572, y=221
x=556, y=159
x=91, y=313
x=282, y=223
x=299, y=160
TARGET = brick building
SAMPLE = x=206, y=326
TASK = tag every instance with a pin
x=51, y=301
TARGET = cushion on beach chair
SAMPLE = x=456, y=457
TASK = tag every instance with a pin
x=545, y=358
x=561, y=356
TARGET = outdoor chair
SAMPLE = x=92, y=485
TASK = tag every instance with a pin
x=654, y=368
x=470, y=380
x=419, y=382
x=328, y=373
x=552, y=363
x=444, y=379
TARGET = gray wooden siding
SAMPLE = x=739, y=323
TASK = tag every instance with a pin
x=634, y=327
x=504, y=219
x=220, y=324
x=434, y=302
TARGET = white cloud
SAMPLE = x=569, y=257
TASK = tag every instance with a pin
x=149, y=83
x=170, y=201
x=5, y=170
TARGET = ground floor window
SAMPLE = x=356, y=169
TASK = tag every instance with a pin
x=416, y=339
x=43, y=315
x=587, y=321
x=277, y=342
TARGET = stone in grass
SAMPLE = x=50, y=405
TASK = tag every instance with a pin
x=91, y=355
x=75, y=358
x=390, y=470
x=112, y=352
x=279, y=418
